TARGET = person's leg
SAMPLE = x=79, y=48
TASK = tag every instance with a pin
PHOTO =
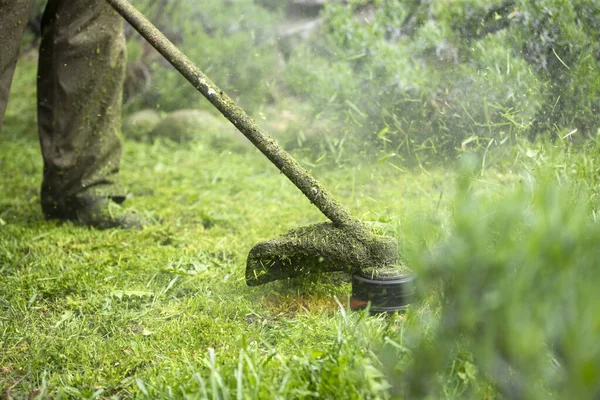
x=14, y=15
x=80, y=82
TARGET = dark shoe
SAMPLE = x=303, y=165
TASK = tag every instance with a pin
x=97, y=212
x=105, y=214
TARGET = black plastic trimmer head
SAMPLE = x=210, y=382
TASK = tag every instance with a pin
x=345, y=244
x=383, y=294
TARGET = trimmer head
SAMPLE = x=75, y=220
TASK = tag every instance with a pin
x=378, y=275
x=382, y=294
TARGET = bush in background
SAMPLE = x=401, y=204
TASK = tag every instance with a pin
x=432, y=77
x=416, y=80
x=232, y=42
x=410, y=79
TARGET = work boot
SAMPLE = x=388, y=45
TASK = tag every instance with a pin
x=96, y=212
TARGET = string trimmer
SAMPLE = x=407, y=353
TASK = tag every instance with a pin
x=344, y=244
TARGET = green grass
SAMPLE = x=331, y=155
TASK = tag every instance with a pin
x=129, y=312
x=165, y=311
x=506, y=257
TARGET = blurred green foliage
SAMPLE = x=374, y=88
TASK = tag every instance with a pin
x=415, y=80
x=438, y=75
x=233, y=42
x=516, y=282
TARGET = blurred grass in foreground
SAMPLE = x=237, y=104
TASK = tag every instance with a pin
x=517, y=281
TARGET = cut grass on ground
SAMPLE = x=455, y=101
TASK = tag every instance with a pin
x=165, y=310
x=511, y=293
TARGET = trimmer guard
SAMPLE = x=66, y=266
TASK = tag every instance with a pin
x=318, y=248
